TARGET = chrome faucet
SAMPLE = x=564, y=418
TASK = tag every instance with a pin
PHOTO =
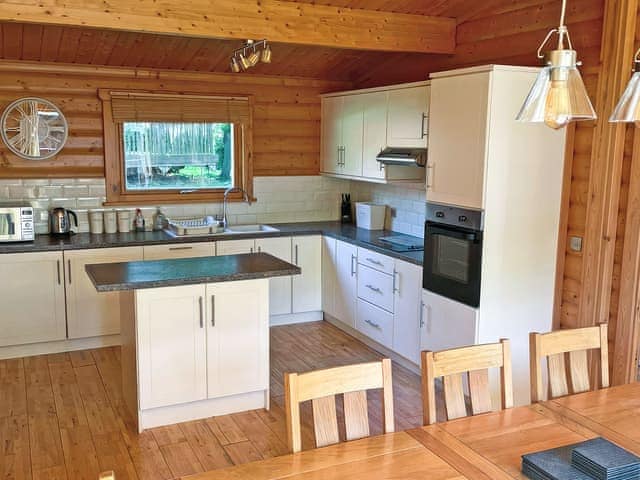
x=245, y=197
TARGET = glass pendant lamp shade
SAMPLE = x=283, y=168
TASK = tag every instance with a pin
x=558, y=95
x=628, y=108
x=253, y=58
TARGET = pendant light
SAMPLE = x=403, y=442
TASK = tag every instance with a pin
x=558, y=95
x=628, y=108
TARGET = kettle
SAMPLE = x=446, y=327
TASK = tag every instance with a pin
x=59, y=221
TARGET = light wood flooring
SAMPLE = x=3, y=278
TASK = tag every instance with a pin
x=62, y=415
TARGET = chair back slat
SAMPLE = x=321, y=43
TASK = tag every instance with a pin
x=479, y=391
x=325, y=421
x=356, y=415
x=454, y=396
x=557, y=375
x=474, y=361
x=570, y=376
x=109, y=475
x=579, y=371
x=321, y=387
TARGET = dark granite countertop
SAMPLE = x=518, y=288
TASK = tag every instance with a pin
x=345, y=232
x=110, y=277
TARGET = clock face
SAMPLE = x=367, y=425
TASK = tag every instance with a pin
x=33, y=128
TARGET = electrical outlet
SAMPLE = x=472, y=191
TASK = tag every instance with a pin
x=575, y=244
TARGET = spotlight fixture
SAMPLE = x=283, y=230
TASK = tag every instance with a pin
x=249, y=55
x=628, y=108
x=558, y=95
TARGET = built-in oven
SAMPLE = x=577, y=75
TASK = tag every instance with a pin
x=453, y=253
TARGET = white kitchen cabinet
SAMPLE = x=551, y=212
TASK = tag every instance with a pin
x=408, y=116
x=235, y=247
x=358, y=125
x=458, y=139
x=184, y=250
x=407, y=310
x=346, y=286
x=329, y=276
x=447, y=323
x=352, y=135
x=172, y=345
x=89, y=313
x=237, y=337
x=307, y=287
x=331, y=145
x=374, y=133
x=279, y=287
x=32, y=298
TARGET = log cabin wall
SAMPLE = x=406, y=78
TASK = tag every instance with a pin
x=286, y=114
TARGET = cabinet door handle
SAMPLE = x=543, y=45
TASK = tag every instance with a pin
x=180, y=248
x=213, y=310
x=295, y=250
x=58, y=268
x=69, y=268
x=353, y=270
x=395, y=282
x=373, y=289
x=338, y=157
x=430, y=168
x=201, y=312
x=251, y=250
x=259, y=249
x=421, y=314
x=344, y=155
x=373, y=324
x=424, y=117
x=375, y=262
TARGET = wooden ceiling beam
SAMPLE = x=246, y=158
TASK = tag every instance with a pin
x=276, y=20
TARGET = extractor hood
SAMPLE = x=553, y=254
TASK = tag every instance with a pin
x=410, y=157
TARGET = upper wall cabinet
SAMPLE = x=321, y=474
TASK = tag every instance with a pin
x=357, y=125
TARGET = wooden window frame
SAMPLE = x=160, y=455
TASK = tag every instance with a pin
x=116, y=193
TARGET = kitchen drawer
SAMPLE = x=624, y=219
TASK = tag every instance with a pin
x=375, y=260
x=375, y=323
x=179, y=250
x=375, y=287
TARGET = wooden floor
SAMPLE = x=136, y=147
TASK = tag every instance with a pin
x=62, y=416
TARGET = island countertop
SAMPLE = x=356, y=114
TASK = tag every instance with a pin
x=111, y=277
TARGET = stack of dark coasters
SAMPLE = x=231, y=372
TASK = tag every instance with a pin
x=554, y=464
x=603, y=460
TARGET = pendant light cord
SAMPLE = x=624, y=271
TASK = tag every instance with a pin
x=562, y=28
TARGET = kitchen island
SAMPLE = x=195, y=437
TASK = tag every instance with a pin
x=194, y=333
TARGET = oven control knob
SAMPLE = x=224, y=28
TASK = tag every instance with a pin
x=440, y=214
x=462, y=218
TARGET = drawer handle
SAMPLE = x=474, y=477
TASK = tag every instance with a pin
x=213, y=310
x=69, y=265
x=375, y=262
x=58, y=266
x=353, y=270
x=373, y=324
x=395, y=283
x=373, y=289
x=180, y=248
x=201, y=312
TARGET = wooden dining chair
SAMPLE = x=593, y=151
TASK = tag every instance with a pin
x=451, y=365
x=555, y=347
x=321, y=387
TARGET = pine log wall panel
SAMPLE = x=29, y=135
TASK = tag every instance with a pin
x=286, y=114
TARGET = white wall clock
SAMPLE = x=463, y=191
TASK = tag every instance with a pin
x=33, y=128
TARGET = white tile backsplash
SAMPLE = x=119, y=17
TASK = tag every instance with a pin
x=279, y=199
x=405, y=201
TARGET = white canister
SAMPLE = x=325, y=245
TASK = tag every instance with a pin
x=124, y=221
x=110, y=222
x=96, y=221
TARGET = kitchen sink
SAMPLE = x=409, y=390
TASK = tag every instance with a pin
x=258, y=228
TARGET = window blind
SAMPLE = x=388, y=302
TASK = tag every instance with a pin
x=149, y=107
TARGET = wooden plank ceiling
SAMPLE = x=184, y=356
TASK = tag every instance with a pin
x=487, y=31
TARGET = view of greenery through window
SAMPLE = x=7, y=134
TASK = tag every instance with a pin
x=178, y=155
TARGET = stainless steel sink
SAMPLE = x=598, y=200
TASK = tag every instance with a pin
x=257, y=228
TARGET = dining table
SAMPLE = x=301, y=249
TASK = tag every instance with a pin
x=481, y=447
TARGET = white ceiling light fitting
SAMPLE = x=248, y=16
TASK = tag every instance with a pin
x=249, y=55
x=558, y=95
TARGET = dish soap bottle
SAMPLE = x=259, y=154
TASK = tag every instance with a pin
x=159, y=220
x=138, y=221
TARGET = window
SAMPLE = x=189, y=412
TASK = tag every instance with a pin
x=174, y=148
x=183, y=156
